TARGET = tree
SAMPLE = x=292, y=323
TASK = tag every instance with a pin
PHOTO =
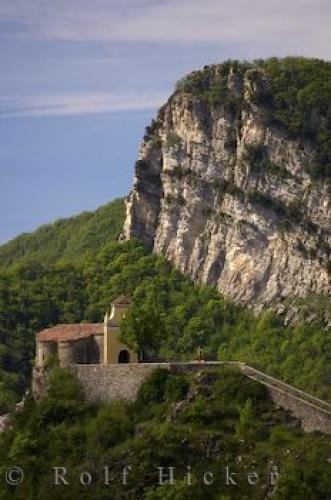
x=143, y=328
x=246, y=427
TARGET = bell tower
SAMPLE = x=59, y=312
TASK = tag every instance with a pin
x=114, y=350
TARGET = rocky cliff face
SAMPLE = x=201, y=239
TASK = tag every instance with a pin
x=228, y=195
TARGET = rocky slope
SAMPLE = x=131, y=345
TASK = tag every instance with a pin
x=232, y=195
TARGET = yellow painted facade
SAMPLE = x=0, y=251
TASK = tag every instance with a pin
x=114, y=350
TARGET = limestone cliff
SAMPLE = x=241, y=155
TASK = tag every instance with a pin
x=228, y=194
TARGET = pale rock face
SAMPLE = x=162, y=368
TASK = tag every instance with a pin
x=228, y=237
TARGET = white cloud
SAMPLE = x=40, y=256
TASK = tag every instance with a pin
x=299, y=26
x=73, y=104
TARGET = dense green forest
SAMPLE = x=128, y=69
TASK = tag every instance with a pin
x=171, y=316
x=215, y=426
x=69, y=237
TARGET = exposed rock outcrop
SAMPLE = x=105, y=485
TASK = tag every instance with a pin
x=4, y=422
x=226, y=195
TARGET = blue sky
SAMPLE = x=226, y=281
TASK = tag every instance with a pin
x=80, y=79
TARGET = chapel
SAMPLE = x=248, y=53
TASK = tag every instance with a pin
x=87, y=343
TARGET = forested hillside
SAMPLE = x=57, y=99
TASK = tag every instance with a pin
x=69, y=237
x=171, y=317
x=219, y=424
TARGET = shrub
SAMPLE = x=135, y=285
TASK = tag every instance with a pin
x=246, y=425
x=64, y=399
x=168, y=199
x=172, y=140
x=257, y=157
x=176, y=387
x=232, y=385
x=266, y=201
x=153, y=388
x=52, y=362
x=111, y=425
x=178, y=172
x=223, y=186
x=294, y=210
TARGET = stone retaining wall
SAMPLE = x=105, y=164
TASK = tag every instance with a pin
x=117, y=381
x=122, y=381
x=313, y=413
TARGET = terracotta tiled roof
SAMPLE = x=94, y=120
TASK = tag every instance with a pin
x=122, y=300
x=65, y=333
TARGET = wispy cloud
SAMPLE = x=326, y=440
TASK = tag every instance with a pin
x=73, y=104
x=287, y=24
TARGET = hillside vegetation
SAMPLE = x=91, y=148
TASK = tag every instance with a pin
x=69, y=237
x=171, y=317
x=219, y=424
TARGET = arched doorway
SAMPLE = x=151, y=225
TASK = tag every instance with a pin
x=124, y=356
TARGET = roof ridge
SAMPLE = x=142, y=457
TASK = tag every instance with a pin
x=69, y=331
